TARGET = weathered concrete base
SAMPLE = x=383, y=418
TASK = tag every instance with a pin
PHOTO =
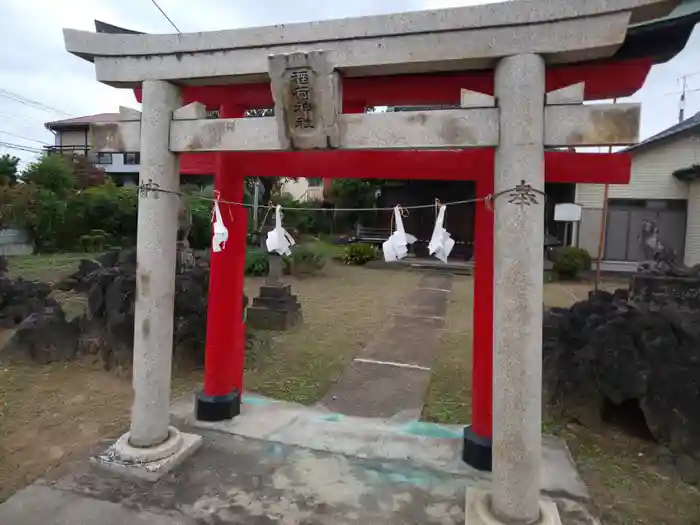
x=285, y=463
x=477, y=510
x=425, y=445
x=124, y=459
x=276, y=308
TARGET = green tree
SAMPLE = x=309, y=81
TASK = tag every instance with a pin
x=53, y=173
x=86, y=174
x=8, y=169
x=354, y=193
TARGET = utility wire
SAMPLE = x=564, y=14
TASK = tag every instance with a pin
x=19, y=147
x=165, y=15
x=16, y=97
x=23, y=137
x=515, y=196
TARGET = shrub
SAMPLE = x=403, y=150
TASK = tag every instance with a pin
x=571, y=262
x=256, y=262
x=359, y=254
x=303, y=261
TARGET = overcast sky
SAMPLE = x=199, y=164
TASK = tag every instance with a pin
x=35, y=65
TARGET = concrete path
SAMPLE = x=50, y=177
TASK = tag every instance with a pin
x=390, y=376
x=281, y=463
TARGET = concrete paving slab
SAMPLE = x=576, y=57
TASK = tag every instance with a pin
x=41, y=505
x=377, y=384
x=378, y=390
x=410, y=340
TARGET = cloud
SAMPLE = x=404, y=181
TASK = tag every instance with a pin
x=34, y=62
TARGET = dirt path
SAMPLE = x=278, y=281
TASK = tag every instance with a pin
x=390, y=376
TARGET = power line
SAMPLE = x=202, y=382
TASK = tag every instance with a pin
x=16, y=97
x=19, y=147
x=165, y=15
x=23, y=137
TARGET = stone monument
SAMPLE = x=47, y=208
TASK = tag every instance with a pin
x=275, y=308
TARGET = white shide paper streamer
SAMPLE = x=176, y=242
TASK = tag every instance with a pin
x=396, y=246
x=278, y=240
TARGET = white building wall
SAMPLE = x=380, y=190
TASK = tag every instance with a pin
x=77, y=137
x=300, y=189
x=651, y=174
x=118, y=166
x=72, y=137
x=651, y=178
x=692, y=229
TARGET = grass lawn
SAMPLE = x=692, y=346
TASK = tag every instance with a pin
x=343, y=310
x=47, y=268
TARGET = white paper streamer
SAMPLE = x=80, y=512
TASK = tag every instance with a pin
x=396, y=246
x=278, y=240
x=441, y=243
x=220, y=234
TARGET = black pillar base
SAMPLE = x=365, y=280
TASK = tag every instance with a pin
x=477, y=450
x=217, y=408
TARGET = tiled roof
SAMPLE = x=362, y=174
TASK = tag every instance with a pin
x=88, y=119
x=687, y=125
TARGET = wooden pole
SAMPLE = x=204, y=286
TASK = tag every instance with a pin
x=603, y=227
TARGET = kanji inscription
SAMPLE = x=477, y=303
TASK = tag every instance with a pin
x=306, y=90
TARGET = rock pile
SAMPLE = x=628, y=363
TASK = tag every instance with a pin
x=107, y=326
x=19, y=299
x=607, y=348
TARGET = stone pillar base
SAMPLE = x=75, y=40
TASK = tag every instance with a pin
x=274, y=309
x=149, y=463
x=476, y=450
x=477, y=511
x=217, y=408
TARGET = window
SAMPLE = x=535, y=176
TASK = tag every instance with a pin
x=104, y=158
x=315, y=183
x=212, y=113
x=132, y=158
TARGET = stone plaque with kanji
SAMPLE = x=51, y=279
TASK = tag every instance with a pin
x=306, y=91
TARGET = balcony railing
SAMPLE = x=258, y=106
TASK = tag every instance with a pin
x=102, y=159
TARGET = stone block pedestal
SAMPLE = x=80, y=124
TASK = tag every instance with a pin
x=477, y=511
x=151, y=463
x=276, y=308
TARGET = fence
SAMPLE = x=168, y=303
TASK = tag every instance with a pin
x=15, y=242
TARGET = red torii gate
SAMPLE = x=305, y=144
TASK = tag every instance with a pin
x=225, y=347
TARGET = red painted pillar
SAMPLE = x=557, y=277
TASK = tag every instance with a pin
x=225, y=346
x=477, y=437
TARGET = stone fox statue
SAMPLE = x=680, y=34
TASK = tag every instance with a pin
x=185, y=256
x=652, y=247
x=184, y=224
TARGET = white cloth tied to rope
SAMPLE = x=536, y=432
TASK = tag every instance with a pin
x=278, y=240
x=441, y=243
x=220, y=234
x=396, y=246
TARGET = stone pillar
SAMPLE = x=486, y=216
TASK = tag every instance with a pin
x=155, y=279
x=518, y=291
